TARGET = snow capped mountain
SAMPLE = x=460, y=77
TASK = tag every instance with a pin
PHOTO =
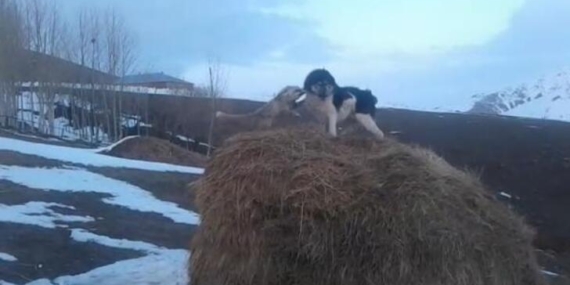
x=547, y=98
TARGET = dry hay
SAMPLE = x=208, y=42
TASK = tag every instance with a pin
x=157, y=150
x=297, y=207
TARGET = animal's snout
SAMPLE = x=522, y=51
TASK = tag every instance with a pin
x=322, y=89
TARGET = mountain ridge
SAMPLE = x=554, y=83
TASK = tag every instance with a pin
x=545, y=98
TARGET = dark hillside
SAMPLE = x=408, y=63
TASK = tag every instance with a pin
x=528, y=159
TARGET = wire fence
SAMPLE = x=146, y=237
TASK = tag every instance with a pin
x=43, y=130
x=67, y=133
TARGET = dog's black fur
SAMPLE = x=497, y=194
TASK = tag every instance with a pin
x=359, y=103
x=365, y=100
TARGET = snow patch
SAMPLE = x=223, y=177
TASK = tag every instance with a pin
x=160, y=266
x=167, y=267
x=117, y=88
x=186, y=139
x=505, y=195
x=80, y=180
x=29, y=136
x=110, y=147
x=183, y=138
x=38, y=214
x=545, y=98
x=542, y=108
x=61, y=128
x=81, y=235
x=7, y=257
x=550, y=273
x=88, y=157
x=129, y=122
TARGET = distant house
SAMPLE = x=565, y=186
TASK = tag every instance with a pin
x=35, y=66
x=156, y=80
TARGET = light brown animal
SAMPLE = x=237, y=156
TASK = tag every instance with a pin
x=262, y=118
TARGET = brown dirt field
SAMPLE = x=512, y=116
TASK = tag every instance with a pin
x=157, y=150
x=50, y=253
x=60, y=255
x=19, y=159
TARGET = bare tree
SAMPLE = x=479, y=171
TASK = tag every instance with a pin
x=88, y=44
x=217, y=86
x=120, y=59
x=81, y=44
x=96, y=39
x=11, y=43
x=128, y=58
x=45, y=34
x=103, y=42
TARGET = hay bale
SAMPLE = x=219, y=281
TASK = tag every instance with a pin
x=157, y=150
x=297, y=207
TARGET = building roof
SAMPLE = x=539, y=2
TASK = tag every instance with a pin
x=151, y=78
x=38, y=66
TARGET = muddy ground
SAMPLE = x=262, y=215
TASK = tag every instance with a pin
x=49, y=253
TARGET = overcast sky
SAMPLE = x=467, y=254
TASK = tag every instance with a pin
x=416, y=53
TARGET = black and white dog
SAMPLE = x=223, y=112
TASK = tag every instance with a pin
x=342, y=102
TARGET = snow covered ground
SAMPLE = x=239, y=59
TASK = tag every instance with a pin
x=62, y=128
x=158, y=265
x=544, y=108
x=6, y=257
x=29, y=112
x=88, y=157
x=38, y=214
x=167, y=267
x=80, y=180
x=111, y=146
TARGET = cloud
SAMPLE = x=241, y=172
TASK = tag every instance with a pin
x=535, y=43
x=174, y=34
x=528, y=42
x=371, y=27
x=418, y=53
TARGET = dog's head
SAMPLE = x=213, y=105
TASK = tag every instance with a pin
x=289, y=98
x=320, y=82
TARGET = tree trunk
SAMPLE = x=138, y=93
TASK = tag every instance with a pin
x=50, y=98
x=212, y=115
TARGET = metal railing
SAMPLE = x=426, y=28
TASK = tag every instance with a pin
x=30, y=127
x=21, y=126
